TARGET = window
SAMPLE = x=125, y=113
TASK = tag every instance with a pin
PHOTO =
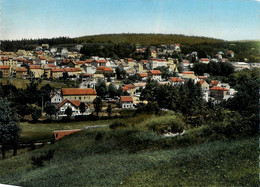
x=79, y=98
x=74, y=97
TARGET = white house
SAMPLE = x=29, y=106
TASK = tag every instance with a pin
x=56, y=98
x=155, y=63
x=74, y=105
x=126, y=102
x=176, y=81
x=155, y=75
x=204, y=60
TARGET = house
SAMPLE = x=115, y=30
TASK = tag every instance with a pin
x=204, y=60
x=155, y=75
x=186, y=75
x=230, y=54
x=74, y=105
x=81, y=94
x=99, y=63
x=126, y=102
x=129, y=88
x=205, y=89
x=21, y=73
x=57, y=73
x=176, y=81
x=218, y=92
x=177, y=47
x=56, y=135
x=241, y=65
x=6, y=71
x=105, y=70
x=155, y=63
x=36, y=71
x=56, y=97
x=143, y=76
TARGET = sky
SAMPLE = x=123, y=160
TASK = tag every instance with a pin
x=223, y=19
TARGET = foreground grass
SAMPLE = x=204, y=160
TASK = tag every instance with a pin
x=80, y=161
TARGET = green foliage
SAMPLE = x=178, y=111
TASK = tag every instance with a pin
x=101, y=88
x=36, y=114
x=9, y=129
x=97, y=105
x=82, y=107
x=147, y=39
x=109, y=110
x=50, y=109
x=214, y=68
x=117, y=124
x=38, y=161
x=68, y=112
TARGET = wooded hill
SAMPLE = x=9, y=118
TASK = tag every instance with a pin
x=147, y=39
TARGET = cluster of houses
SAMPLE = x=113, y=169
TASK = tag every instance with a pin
x=48, y=63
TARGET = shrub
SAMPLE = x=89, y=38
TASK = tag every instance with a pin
x=39, y=161
x=117, y=124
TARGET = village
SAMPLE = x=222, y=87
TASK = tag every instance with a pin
x=49, y=63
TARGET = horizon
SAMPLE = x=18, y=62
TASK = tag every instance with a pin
x=229, y=20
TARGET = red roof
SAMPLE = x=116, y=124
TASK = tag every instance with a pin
x=5, y=58
x=42, y=58
x=71, y=70
x=51, y=65
x=35, y=67
x=143, y=74
x=78, y=91
x=128, y=87
x=201, y=82
x=21, y=70
x=161, y=60
x=104, y=68
x=214, y=83
x=57, y=70
x=89, y=60
x=126, y=99
x=21, y=59
x=204, y=59
x=144, y=61
x=155, y=72
x=176, y=79
x=188, y=72
x=87, y=75
x=74, y=102
x=218, y=88
x=185, y=61
x=101, y=61
x=81, y=62
x=202, y=77
x=129, y=60
x=4, y=67
x=60, y=134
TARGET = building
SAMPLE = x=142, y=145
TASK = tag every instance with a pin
x=176, y=81
x=81, y=94
x=155, y=75
x=143, y=76
x=6, y=71
x=218, y=92
x=126, y=102
x=36, y=71
x=204, y=60
x=21, y=73
x=74, y=105
x=205, y=89
x=56, y=98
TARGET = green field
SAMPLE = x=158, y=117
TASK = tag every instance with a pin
x=22, y=83
x=132, y=155
x=219, y=163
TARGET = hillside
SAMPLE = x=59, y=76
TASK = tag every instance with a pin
x=134, y=155
x=147, y=39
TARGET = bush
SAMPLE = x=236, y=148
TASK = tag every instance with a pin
x=167, y=125
x=117, y=124
x=39, y=161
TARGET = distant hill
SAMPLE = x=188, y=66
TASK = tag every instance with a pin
x=147, y=39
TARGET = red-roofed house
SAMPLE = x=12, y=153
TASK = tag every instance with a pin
x=126, y=102
x=82, y=94
x=155, y=75
x=143, y=76
x=105, y=69
x=73, y=104
x=6, y=71
x=176, y=81
x=218, y=92
x=36, y=71
x=155, y=63
x=21, y=73
x=204, y=60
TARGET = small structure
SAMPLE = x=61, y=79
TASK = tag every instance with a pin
x=155, y=75
x=126, y=102
x=176, y=81
x=56, y=135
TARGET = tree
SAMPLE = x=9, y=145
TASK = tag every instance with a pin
x=9, y=129
x=112, y=90
x=36, y=114
x=97, y=105
x=82, y=107
x=68, y=112
x=101, y=88
x=109, y=110
x=50, y=109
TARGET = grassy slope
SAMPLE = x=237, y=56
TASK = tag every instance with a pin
x=77, y=162
x=147, y=39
